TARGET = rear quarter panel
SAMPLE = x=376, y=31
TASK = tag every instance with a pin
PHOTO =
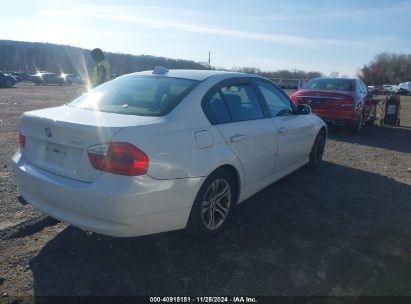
x=173, y=151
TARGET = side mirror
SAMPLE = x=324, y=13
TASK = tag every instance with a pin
x=303, y=109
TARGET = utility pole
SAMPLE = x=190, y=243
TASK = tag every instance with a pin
x=209, y=60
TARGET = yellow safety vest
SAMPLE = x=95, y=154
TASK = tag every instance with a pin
x=95, y=76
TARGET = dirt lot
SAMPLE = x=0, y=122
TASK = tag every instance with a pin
x=343, y=229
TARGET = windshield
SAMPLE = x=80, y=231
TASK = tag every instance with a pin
x=136, y=95
x=329, y=84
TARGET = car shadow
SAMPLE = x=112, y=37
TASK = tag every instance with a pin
x=28, y=228
x=328, y=231
x=385, y=137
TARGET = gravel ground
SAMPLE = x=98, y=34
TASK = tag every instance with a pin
x=342, y=229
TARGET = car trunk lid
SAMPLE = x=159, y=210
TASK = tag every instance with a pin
x=323, y=99
x=57, y=138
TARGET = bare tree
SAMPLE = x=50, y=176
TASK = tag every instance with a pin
x=387, y=68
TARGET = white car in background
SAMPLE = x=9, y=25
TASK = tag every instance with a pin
x=404, y=88
x=163, y=150
x=389, y=88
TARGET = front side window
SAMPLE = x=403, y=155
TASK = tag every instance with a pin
x=278, y=104
x=136, y=95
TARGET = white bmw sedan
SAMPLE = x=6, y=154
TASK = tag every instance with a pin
x=163, y=150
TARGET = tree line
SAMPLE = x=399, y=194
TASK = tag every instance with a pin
x=387, y=68
x=281, y=74
x=30, y=57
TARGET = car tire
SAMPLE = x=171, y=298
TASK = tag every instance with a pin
x=9, y=84
x=356, y=129
x=317, y=150
x=212, y=205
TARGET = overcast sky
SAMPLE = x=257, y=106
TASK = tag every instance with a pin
x=313, y=35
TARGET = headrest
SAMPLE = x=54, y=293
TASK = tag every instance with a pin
x=232, y=100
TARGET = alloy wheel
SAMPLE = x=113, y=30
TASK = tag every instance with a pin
x=216, y=204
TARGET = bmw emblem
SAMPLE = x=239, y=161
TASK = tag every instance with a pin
x=48, y=132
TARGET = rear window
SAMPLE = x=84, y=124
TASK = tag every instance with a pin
x=330, y=84
x=135, y=95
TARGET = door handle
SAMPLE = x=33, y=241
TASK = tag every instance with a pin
x=237, y=138
x=282, y=130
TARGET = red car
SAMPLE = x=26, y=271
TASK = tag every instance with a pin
x=338, y=101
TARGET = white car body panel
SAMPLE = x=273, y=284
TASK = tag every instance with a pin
x=113, y=204
x=405, y=86
x=183, y=149
x=253, y=188
x=73, y=130
x=177, y=154
x=254, y=142
x=294, y=140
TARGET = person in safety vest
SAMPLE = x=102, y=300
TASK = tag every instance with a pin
x=102, y=70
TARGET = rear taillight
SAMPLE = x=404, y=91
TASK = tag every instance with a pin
x=347, y=102
x=22, y=140
x=118, y=158
x=294, y=98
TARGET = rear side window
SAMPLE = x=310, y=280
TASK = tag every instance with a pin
x=233, y=103
x=329, y=84
x=242, y=102
x=218, y=112
x=136, y=95
x=277, y=103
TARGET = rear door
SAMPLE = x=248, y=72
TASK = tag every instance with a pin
x=293, y=130
x=237, y=113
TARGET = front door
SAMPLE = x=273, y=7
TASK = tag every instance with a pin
x=293, y=130
x=293, y=139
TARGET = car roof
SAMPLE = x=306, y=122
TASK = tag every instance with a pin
x=199, y=75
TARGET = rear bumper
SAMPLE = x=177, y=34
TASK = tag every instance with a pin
x=337, y=117
x=112, y=205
